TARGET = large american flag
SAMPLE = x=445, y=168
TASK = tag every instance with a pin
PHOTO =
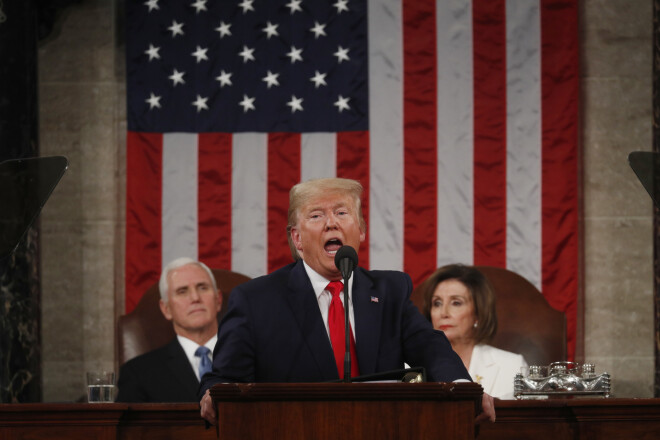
x=459, y=117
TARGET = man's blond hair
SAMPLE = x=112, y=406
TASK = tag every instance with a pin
x=303, y=192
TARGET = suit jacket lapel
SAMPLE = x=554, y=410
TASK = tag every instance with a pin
x=486, y=370
x=368, y=304
x=177, y=363
x=305, y=308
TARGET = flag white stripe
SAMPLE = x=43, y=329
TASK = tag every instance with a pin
x=386, y=134
x=523, y=248
x=455, y=133
x=179, y=202
x=249, y=202
x=318, y=155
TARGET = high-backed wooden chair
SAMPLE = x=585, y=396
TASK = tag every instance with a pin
x=527, y=324
x=145, y=328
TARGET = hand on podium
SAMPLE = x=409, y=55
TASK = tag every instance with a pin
x=208, y=412
x=488, y=409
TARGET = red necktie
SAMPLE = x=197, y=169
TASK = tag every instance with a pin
x=336, y=324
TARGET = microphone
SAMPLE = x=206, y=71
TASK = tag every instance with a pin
x=346, y=260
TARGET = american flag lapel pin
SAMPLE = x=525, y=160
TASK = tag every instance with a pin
x=374, y=299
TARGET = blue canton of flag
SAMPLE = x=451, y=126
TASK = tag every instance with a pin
x=247, y=66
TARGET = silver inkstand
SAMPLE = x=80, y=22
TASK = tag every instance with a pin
x=561, y=380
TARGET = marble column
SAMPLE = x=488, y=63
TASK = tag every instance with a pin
x=20, y=354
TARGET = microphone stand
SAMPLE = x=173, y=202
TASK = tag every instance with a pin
x=347, y=333
x=346, y=260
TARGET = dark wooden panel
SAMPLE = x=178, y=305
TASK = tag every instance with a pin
x=107, y=421
x=164, y=421
x=330, y=420
x=60, y=432
x=585, y=419
x=363, y=411
x=35, y=421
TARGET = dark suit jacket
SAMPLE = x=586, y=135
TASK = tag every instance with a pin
x=160, y=375
x=273, y=331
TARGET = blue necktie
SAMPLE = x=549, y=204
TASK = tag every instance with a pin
x=204, y=362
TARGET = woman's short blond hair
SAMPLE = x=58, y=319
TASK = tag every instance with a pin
x=303, y=192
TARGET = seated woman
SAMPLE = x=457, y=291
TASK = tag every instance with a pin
x=460, y=301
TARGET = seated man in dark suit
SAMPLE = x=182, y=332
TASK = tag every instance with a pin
x=191, y=300
x=282, y=327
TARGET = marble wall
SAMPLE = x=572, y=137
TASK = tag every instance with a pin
x=82, y=116
x=20, y=344
x=616, y=70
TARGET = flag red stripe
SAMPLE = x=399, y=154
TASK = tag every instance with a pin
x=420, y=134
x=283, y=173
x=214, y=199
x=353, y=163
x=144, y=155
x=559, y=212
x=489, y=48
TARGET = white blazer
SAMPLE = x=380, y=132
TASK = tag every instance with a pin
x=494, y=370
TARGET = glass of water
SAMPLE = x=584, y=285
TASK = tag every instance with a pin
x=100, y=386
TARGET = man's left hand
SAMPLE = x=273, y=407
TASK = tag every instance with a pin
x=488, y=409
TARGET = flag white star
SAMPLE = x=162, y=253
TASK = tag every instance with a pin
x=271, y=79
x=294, y=5
x=176, y=28
x=247, y=103
x=199, y=5
x=319, y=79
x=152, y=52
x=224, y=78
x=153, y=100
x=246, y=5
x=341, y=5
x=152, y=4
x=246, y=54
x=200, y=54
x=224, y=29
x=177, y=78
x=342, y=104
x=295, y=104
x=318, y=29
x=295, y=54
x=200, y=103
x=341, y=54
x=271, y=30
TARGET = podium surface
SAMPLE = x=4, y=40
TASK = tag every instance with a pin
x=347, y=410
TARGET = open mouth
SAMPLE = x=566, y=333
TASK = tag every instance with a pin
x=332, y=246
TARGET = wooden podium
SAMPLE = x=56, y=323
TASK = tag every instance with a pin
x=333, y=411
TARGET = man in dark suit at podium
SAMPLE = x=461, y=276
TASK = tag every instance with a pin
x=279, y=327
x=191, y=300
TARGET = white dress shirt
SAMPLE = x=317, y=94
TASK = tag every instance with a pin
x=324, y=297
x=189, y=347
